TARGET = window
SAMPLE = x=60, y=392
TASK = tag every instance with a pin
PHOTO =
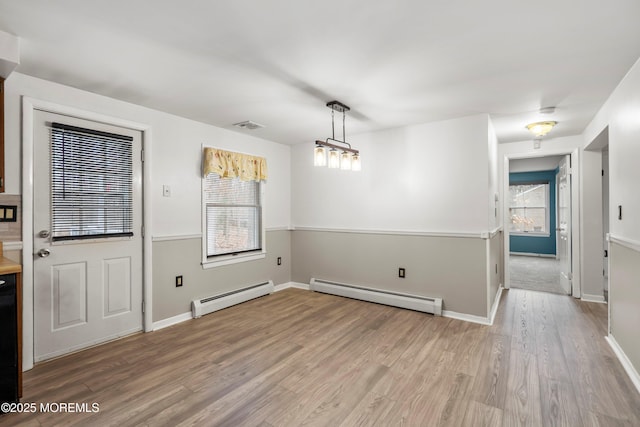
x=529, y=208
x=91, y=184
x=233, y=216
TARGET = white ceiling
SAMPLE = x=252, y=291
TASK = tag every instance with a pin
x=394, y=63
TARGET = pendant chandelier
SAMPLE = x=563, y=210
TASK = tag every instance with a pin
x=335, y=156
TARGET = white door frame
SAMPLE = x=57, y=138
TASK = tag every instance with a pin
x=29, y=105
x=575, y=212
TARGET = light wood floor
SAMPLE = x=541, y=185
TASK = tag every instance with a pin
x=303, y=358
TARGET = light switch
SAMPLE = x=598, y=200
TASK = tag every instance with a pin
x=166, y=191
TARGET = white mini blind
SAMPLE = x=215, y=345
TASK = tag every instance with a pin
x=91, y=183
x=233, y=215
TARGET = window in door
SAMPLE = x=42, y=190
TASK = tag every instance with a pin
x=91, y=184
x=529, y=209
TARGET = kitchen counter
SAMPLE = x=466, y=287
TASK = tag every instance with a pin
x=7, y=266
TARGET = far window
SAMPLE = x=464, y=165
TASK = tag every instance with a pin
x=529, y=208
x=233, y=213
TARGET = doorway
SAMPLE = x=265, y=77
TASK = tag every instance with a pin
x=540, y=224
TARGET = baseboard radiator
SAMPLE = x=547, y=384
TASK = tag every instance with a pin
x=200, y=307
x=395, y=299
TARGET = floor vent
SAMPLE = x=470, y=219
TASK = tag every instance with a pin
x=200, y=307
x=412, y=302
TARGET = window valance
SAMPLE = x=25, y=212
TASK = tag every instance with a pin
x=228, y=164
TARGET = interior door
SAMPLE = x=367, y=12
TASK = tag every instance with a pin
x=563, y=229
x=87, y=233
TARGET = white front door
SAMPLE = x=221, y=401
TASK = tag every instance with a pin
x=87, y=240
x=563, y=227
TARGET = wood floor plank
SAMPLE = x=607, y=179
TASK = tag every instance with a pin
x=523, y=389
x=297, y=357
x=524, y=330
x=350, y=390
x=490, y=386
x=481, y=415
x=369, y=411
x=419, y=405
x=458, y=401
x=558, y=403
x=549, y=353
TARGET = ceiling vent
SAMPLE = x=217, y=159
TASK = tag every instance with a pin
x=248, y=124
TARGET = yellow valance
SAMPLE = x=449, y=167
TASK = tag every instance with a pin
x=228, y=164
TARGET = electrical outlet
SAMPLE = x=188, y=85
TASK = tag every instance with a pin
x=401, y=272
x=279, y=260
x=178, y=281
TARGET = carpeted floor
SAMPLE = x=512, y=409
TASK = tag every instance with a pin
x=535, y=273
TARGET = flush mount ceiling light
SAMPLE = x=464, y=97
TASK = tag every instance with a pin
x=540, y=129
x=345, y=158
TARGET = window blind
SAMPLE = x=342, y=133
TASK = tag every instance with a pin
x=91, y=183
x=233, y=215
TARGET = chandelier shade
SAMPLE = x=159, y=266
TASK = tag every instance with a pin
x=320, y=156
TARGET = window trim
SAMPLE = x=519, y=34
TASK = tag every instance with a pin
x=238, y=257
x=547, y=208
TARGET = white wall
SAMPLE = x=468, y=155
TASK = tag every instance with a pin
x=176, y=154
x=430, y=177
x=621, y=113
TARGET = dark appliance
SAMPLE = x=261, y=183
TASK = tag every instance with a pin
x=8, y=339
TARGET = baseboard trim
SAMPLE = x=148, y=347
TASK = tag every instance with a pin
x=624, y=360
x=296, y=285
x=165, y=323
x=593, y=298
x=467, y=317
x=445, y=313
x=496, y=304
